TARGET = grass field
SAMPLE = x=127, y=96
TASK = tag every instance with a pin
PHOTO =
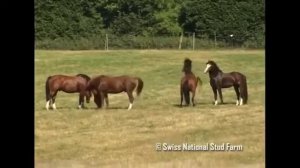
x=116, y=137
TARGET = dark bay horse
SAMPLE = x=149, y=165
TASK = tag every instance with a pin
x=219, y=80
x=102, y=85
x=68, y=84
x=188, y=83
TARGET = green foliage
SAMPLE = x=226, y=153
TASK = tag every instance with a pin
x=244, y=19
x=67, y=21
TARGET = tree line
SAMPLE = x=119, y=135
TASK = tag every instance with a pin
x=208, y=19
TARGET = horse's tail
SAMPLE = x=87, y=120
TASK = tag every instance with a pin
x=140, y=85
x=199, y=80
x=47, y=89
x=244, y=90
x=186, y=92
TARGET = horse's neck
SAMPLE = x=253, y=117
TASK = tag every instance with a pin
x=215, y=72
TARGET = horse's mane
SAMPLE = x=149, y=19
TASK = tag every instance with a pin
x=214, y=64
x=87, y=78
x=187, y=66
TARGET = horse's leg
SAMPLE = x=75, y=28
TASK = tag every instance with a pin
x=181, y=96
x=53, y=100
x=101, y=95
x=81, y=100
x=130, y=96
x=215, y=95
x=193, y=96
x=48, y=103
x=106, y=99
x=97, y=100
x=237, y=92
x=220, y=94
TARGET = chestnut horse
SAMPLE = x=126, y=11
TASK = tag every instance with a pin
x=102, y=85
x=68, y=84
x=219, y=80
x=188, y=83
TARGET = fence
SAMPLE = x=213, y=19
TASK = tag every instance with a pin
x=187, y=40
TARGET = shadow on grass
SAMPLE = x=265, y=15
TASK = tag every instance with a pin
x=87, y=108
x=110, y=108
x=125, y=108
x=203, y=103
x=68, y=108
x=199, y=103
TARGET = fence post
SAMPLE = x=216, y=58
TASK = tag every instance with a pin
x=194, y=41
x=215, y=39
x=180, y=41
x=231, y=36
x=106, y=42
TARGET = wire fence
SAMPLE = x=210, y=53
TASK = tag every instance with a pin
x=186, y=40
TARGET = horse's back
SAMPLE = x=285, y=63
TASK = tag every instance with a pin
x=110, y=84
x=232, y=78
x=57, y=79
x=116, y=84
x=189, y=77
x=128, y=82
x=189, y=81
x=238, y=76
x=235, y=73
x=68, y=84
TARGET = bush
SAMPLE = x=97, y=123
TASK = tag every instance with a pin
x=137, y=42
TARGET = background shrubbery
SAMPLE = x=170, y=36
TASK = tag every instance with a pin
x=143, y=24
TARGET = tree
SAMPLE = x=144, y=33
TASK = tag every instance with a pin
x=243, y=18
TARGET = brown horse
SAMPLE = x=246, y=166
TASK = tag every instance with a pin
x=188, y=83
x=219, y=80
x=68, y=84
x=102, y=85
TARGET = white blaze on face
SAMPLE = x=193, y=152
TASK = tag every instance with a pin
x=130, y=106
x=207, y=68
x=47, y=105
x=54, y=106
x=216, y=102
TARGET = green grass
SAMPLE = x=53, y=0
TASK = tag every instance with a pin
x=116, y=137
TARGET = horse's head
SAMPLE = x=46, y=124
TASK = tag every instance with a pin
x=210, y=65
x=187, y=66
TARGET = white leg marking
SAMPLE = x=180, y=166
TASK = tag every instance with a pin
x=241, y=102
x=79, y=106
x=237, y=103
x=130, y=106
x=207, y=68
x=47, y=104
x=216, y=102
x=54, y=106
